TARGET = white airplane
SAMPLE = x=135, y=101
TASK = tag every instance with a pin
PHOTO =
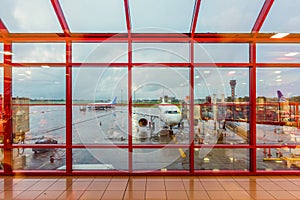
x=169, y=114
x=102, y=106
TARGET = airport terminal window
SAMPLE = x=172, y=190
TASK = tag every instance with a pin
x=221, y=105
x=160, y=53
x=281, y=158
x=39, y=52
x=217, y=159
x=277, y=111
x=278, y=53
x=99, y=52
x=100, y=159
x=153, y=96
x=100, y=105
x=39, y=158
x=221, y=53
x=161, y=159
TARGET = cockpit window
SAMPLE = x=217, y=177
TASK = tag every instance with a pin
x=171, y=112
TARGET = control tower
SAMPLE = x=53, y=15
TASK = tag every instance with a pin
x=232, y=85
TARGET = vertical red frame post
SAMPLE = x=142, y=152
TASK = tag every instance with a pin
x=129, y=81
x=252, y=139
x=7, y=102
x=192, y=85
x=69, y=158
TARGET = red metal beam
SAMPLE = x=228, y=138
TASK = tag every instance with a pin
x=127, y=14
x=195, y=17
x=61, y=18
x=252, y=91
x=262, y=16
x=3, y=29
x=7, y=102
x=69, y=137
x=129, y=84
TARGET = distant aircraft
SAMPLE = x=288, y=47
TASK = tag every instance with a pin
x=102, y=106
x=169, y=114
x=285, y=112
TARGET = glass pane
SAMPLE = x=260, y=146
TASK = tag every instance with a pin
x=216, y=159
x=39, y=52
x=100, y=52
x=2, y=53
x=278, y=158
x=227, y=15
x=278, y=53
x=105, y=16
x=277, y=111
x=161, y=16
x=30, y=16
x=161, y=159
x=221, y=105
x=283, y=17
x=100, y=159
x=160, y=52
x=220, y=53
x=100, y=105
x=157, y=105
x=42, y=85
x=44, y=159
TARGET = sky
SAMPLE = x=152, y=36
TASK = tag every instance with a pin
x=167, y=16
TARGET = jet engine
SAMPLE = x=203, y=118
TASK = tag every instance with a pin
x=143, y=122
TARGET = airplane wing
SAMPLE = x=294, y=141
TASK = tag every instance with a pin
x=146, y=115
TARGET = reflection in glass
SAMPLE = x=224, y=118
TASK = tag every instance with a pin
x=221, y=105
x=283, y=158
x=158, y=100
x=100, y=105
x=43, y=159
x=221, y=159
x=100, y=159
x=163, y=159
x=277, y=110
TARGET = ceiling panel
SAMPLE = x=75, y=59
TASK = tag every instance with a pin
x=94, y=16
x=30, y=16
x=162, y=16
x=284, y=16
x=228, y=16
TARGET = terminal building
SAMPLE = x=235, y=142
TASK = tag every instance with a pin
x=168, y=88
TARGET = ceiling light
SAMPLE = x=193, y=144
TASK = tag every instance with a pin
x=6, y=52
x=277, y=72
x=291, y=54
x=45, y=66
x=279, y=35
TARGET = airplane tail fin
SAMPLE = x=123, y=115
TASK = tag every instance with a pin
x=114, y=100
x=280, y=96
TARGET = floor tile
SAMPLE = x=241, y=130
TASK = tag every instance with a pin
x=239, y=195
x=193, y=185
x=134, y=195
x=91, y=195
x=98, y=185
x=197, y=195
x=282, y=195
x=212, y=185
x=113, y=195
x=177, y=195
x=220, y=195
x=260, y=194
x=117, y=185
x=156, y=195
x=47, y=195
x=30, y=194
x=155, y=185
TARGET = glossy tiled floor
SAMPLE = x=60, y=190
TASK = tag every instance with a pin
x=151, y=187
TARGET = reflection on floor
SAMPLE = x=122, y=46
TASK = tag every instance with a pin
x=151, y=187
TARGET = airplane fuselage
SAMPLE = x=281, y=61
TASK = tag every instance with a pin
x=170, y=114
